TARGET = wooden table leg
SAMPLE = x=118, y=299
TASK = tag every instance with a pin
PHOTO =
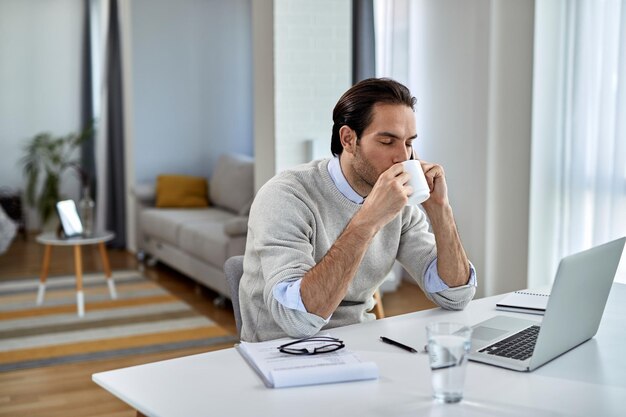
x=105, y=259
x=107, y=270
x=44, y=274
x=78, y=265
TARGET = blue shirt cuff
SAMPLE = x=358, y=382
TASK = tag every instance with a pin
x=433, y=282
x=288, y=294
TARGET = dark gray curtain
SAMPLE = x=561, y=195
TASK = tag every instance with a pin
x=115, y=193
x=87, y=151
x=363, y=45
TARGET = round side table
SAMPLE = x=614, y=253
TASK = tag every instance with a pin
x=51, y=239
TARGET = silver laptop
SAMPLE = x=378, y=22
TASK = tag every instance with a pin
x=579, y=293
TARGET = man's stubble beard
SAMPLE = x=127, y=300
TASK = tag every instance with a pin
x=364, y=170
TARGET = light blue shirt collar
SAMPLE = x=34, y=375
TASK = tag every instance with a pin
x=334, y=170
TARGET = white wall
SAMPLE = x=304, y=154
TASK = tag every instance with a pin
x=299, y=77
x=313, y=53
x=509, y=146
x=450, y=80
x=473, y=81
x=40, y=73
x=192, y=84
x=263, y=63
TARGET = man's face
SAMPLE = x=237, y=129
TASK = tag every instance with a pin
x=385, y=142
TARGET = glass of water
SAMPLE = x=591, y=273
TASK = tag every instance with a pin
x=448, y=347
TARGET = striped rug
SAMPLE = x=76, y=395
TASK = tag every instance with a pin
x=143, y=319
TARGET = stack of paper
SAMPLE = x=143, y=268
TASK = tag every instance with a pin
x=280, y=370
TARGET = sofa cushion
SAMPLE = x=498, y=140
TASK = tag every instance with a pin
x=208, y=242
x=165, y=224
x=232, y=183
x=181, y=191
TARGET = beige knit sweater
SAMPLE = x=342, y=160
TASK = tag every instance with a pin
x=294, y=220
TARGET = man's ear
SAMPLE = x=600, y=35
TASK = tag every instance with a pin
x=347, y=137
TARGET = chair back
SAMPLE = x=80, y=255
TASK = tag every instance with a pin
x=233, y=269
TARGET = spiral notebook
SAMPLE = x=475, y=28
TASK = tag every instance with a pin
x=525, y=301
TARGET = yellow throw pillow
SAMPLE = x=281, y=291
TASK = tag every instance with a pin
x=181, y=191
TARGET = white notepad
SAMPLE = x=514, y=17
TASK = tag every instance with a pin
x=525, y=301
x=279, y=370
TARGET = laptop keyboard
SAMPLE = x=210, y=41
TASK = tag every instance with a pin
x=519, y=346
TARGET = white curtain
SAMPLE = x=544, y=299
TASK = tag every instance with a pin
x=393, y=30
x=592, y=165
x=107, y=204
x=578, y=185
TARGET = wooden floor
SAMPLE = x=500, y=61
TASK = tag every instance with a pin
x=67, y=390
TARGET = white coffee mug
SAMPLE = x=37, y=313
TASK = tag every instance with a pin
x=421, y=191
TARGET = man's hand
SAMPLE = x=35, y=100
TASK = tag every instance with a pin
x=435, y=177
x=452, y=262
x=387, y=198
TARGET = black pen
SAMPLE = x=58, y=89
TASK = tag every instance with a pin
x=398, y=344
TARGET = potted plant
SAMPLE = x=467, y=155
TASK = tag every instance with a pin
x=46, y=159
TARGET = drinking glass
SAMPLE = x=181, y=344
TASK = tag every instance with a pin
x=448, y=347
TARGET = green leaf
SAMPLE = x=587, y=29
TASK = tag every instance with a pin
x=49, y=196
x=44, y=161
x=31, y=184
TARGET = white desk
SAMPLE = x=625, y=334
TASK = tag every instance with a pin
x=587, y=381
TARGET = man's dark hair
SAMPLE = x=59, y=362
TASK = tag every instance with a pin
x=356, y=105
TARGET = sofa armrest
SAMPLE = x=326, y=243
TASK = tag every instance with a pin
x=145, y=193
x=231, y=186
x=237, y=226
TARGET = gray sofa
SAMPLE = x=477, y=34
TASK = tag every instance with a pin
x=197, y=241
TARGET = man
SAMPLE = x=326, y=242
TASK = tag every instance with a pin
x=323, y=236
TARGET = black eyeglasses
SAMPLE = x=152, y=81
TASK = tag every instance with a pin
x=314, y=345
